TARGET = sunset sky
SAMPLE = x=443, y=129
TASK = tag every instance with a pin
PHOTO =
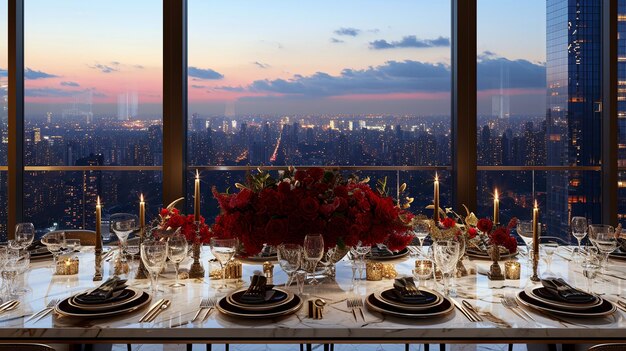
x=278, y=56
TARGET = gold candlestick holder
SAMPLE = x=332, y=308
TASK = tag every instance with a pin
x=535, y=276
x=97, y=276
x=142, y=272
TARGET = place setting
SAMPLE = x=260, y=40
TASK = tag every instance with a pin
x=381, y=252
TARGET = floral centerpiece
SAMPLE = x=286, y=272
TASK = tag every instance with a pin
x=300, y=202
x=172, y=219
x=500, y=236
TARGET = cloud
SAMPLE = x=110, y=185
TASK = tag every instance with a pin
x=34, y=74
x=115, y=63
x=104, y=68
x=410, y=41
x=495, y=72
x=238, y=89
x=195, y=86
x=336, y=41
x=204, y=74
x=261, y=64
x=139, y=66
x=70, y=84
x=351, y=32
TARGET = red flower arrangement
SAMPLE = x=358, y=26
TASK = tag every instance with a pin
x=270, y=211
x=171, y=218
x=501, y=235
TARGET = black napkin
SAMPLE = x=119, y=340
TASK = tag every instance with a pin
x=108, y=290
x=406, y=291
x=622, y=244
x=565, y=292
x=381, y=250
x=258, y=291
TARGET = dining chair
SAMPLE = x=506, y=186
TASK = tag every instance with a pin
x=25, y=347
x=86, y=237
x=608, y=347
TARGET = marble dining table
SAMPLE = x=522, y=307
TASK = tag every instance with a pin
x=338, y=324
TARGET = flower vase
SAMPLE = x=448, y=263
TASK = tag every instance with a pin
x=196, y=270
x=495, y=272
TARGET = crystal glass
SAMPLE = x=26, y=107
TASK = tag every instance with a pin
x=423, y=270
x=421, y=231
x=223, y=250
x=132, y=251
x=54, y=241
x=360, y=251
x=313, y=252
x=603, y=238
x=590, y=265
x=24, y=234
x=21, y=266
x=177, y=247
x=154, y=256
x=445, y=254
x=122, y=224
x=579, y=229
x=548, y=249
x=289, y=258
x=525, y=231
x=72, y=244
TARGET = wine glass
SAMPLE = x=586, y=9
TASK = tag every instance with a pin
x=122, y=224
x=21, y=263
x=446, y=253
x=154, y=256
x=289, y=258
x=54, y=241
x=313, y=252
x=223, y=250
x=579, y=229
x=548, y=250
x=525, y=231
x=590, y=266
x=361, y=251
x=603, y=237
x=421, y=231
x=177, y=247
x=24, y=234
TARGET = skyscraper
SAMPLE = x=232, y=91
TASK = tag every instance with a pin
x=573, y=118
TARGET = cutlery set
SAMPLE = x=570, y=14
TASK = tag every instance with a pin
x=46, y=311
x=9, y=306
x=206, y=304
x=511, y=304
x=356, y=304
x=155, y=310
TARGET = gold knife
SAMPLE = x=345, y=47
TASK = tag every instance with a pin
x=460, y=308
x=472, y=310
x=5, y=304
x=165, y=305
x=150, y=310
x=11, y=305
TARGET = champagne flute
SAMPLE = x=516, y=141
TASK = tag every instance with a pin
x=177, y=247
x=579, y=229
x=446, y=253
x=289, y=258
x=590, y=266
x=223, y=250
x=421, y=231
x=313, y=252
x=122, y=224
x=154, y=256
x=525, y=231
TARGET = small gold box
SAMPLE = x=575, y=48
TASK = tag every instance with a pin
x=67, y=265
x=374, y=271
x=232, y=270
x=512, y=270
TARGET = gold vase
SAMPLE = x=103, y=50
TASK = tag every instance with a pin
x=196, y=270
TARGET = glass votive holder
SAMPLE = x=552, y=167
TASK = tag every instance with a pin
x=215, y=269
x=66, y=265
x=512, y=270
x=374, y=271
x=423, y=269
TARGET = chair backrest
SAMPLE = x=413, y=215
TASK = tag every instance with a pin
x=25, y=347
x=86, y=237
x=608, y=347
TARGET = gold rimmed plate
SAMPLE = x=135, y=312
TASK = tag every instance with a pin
x=279, y=298
x=63, y=308
x=127, y=296
x=605, y=309
x=388, y=297
x=542, y=295
x=229, y=309
x=393, y=256
x=440, y=310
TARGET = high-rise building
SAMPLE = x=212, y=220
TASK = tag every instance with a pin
x=621, y=105
x=573, y=119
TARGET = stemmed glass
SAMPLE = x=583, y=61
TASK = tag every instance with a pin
x=223, y=250
x=525, y=231
x=579, y=229
x=422, y=271
x=177, y=247
x=289, y=259
x=24, y=235
x=122, y=224
x=154, y=256
x=590, y=266
x=313, y=252
x=445, y=254
x=54, y=241
x=360, y=251
x=421, y=231
x=603, y=237
x=548, y=249
x=21, y=263
x=132, y=251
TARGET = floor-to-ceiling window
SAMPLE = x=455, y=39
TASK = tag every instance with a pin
x=3, y=119
x=621, y=109
x=93, y=98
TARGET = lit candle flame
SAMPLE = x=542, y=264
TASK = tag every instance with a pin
x=98, y=201
x=536, y=206
x=496, y=196
x=141, y=198
x=436, y=177
x=197, y=174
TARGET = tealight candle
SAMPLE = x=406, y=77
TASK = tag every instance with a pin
x=423, y=269
x=67, y=265
x=512, y=270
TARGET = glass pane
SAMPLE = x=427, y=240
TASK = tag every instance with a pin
x=621, y=108
x=4, y=138
x=3, y=206
x=67, y=200
x=271, y=91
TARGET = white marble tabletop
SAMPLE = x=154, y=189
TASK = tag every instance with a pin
x=338, y=325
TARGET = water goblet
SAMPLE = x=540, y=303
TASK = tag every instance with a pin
x=421, y=231
x=548, y=249
x=24, y=234
x=603, y=238
x=54, y=241
x=313, y=253
x=445, y=253
x=177, y=247
x=154, y=256
x=590, y=266
x=223, y=250
x=289, y=258
x=579, y=230
x=132, y=251
x=72, y=244
x=21, y=265
x=525, y=231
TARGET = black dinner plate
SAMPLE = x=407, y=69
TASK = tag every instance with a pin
x=381, y=306
x=546, y=294
x=227, y=308
x=484, y=255
x=393, y=256
x=64, y=308
x=278, y=296
x=391, y=296
x=123, y=296
x=604, y=309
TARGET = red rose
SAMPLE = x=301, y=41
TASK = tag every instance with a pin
x=327, y=209
x=485, y=225
x=448, y=222
x=472, y=233
x=512, y=223
x=309, y=207
x=300, y=175
x=284, y=187
x=398, y=241
x=510, y=244
x=385, y=210
x=164, y=212
x=341, y=204
x=499, y=236
x=316, y=173
x=276, y=230
x=242, y=199
x=341, y=191
x=176, y=221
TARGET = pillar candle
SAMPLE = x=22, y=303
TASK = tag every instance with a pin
x=496, y=209
x=98, y=224
x=536, y=229
x=196, y=207
x=142, y=215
